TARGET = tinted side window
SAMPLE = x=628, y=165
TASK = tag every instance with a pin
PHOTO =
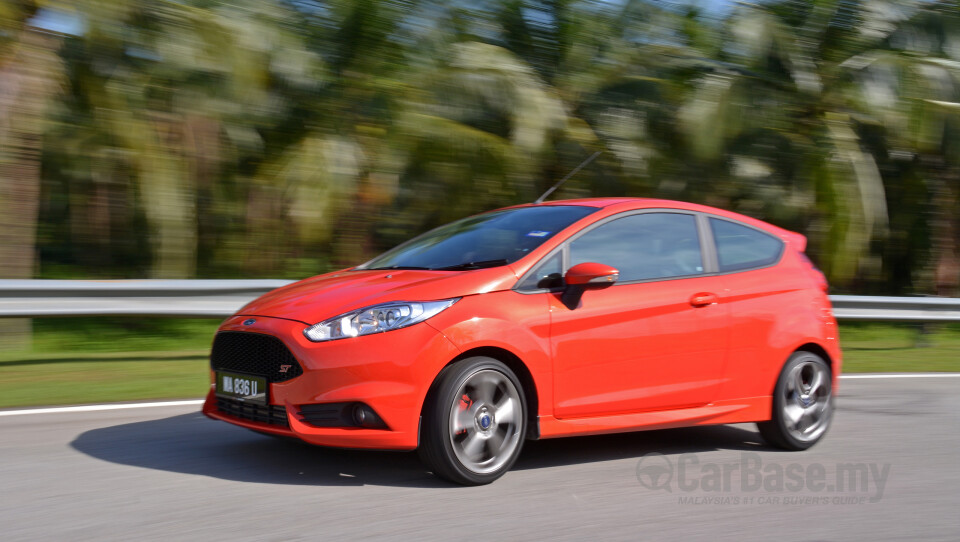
x=643, y=246
x=740, y=247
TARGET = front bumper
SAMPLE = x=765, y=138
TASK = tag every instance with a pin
x=390, y=372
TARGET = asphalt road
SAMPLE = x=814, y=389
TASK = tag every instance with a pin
x=168, y=473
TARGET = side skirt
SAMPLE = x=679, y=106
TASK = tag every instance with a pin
x=750, y=409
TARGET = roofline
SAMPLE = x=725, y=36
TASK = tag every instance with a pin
x=611, y=204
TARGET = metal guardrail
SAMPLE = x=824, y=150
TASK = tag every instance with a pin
x=221, y=298
x=180, y=298
x=896, y=309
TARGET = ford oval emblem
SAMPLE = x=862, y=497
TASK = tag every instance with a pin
x=249, y=322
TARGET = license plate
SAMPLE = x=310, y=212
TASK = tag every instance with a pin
x=247, y=388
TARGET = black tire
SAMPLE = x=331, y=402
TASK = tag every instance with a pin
x=474, y=422
x=802, y=403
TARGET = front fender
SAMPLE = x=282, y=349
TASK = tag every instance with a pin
x=507, y=320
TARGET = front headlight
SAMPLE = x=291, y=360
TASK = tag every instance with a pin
x=376, y=319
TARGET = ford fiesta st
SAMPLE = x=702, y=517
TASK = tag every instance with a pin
x=575, y=317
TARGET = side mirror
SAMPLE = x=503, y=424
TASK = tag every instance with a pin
x=591, y=274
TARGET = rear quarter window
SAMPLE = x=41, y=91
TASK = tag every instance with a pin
x=740, y=247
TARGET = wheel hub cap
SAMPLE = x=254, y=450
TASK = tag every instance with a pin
x=807, y=401
x=484, y=420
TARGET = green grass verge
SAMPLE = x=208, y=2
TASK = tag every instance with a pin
x=94, y=360
x=85, y=335
x=78, y=361
x=876, y=348
x=64, y=379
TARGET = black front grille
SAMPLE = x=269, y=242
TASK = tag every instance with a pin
x=254, y=354
x=269, y=414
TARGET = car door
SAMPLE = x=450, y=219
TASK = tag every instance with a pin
x=767, y=305
x=657, y=338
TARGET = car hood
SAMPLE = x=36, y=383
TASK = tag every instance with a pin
x=317, y=298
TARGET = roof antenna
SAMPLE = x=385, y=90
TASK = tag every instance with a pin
x=563, y=180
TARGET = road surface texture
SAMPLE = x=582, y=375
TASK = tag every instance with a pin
x=168, y=473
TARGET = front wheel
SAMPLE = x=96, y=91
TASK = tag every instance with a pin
x=474, y=422
x=802, y=403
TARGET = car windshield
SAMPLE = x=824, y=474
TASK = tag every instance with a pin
x=487, y=240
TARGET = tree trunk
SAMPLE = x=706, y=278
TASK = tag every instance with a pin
x=169, y=201
x=945, y=237
x=27, y=76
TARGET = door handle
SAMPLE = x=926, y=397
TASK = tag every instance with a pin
x=704, y=299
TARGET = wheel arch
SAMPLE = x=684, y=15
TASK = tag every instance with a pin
x=515, y=364
x=775, y=430
x=815, y=348
x=818, y=349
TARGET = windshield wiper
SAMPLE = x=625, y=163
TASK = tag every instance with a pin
x=473, y=265
x=396, y=267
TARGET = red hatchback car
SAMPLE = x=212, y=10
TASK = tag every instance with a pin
x=575, y=317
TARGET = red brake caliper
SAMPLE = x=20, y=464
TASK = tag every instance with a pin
x=465, y=402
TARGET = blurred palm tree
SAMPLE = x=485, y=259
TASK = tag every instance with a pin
x=430, y=124
x=911, y=85
x=165, y=92
x=280, y=138
x=780, y=117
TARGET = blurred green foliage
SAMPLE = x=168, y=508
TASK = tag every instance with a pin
x=284, y=138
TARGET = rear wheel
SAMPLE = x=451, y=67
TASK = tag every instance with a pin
x=474, y=422
x=802, y=403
